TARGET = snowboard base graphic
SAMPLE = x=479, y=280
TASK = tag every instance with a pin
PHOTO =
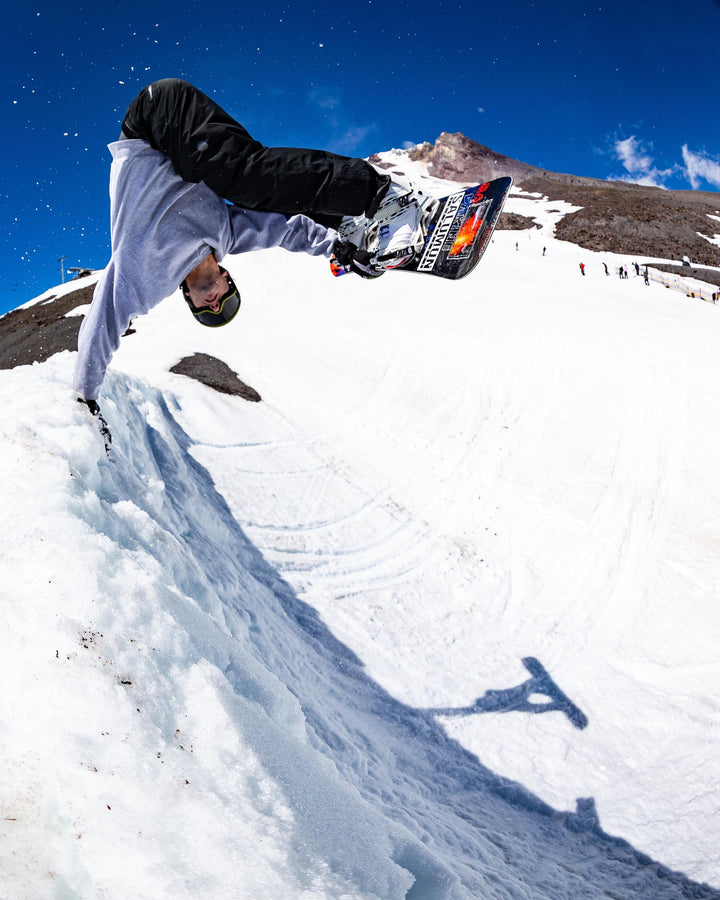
x=460, y=231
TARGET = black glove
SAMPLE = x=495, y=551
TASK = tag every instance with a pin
x=354, y=260
x=92, y=405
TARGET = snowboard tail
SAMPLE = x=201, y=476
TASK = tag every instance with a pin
x=460, y=231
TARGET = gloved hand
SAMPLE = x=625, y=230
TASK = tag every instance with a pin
x=354, y=260
x=92, y=405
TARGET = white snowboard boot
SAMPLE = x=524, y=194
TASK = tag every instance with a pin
x=398, y=229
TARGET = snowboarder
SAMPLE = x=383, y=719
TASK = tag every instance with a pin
x=180, y=156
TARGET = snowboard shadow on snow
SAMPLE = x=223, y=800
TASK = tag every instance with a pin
x=539, y=694
x=492, y=833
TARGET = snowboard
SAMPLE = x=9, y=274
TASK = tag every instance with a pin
x=458, y=233
x=460, y=230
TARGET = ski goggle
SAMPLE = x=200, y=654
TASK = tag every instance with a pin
x=227, y=309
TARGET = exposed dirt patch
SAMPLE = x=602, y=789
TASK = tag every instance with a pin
x=216, y=374
x=38, y=332
x=636, y=220
x=515, y=222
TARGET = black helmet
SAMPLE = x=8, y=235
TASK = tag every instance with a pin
x=229, y=305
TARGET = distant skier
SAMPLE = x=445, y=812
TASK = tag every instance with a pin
x=180, y=156
x=582, y=268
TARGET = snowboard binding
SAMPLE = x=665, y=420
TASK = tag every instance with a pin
x=395, y=235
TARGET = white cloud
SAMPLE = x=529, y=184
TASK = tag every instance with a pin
x=637, y=160
x=631, y=155
x=700, y=166
x=349, y=138
x=639, y=164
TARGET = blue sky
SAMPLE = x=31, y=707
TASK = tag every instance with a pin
x=622, y=89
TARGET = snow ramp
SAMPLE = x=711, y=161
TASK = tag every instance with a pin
x=178, y=722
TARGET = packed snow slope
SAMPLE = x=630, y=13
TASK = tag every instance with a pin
x=436, y=619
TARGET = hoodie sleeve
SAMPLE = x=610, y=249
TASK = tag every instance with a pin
x=253, y=230
x=106, y=320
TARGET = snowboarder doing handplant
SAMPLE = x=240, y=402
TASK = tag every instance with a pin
x=179, y=157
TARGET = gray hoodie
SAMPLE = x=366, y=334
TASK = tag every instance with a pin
x=161, y=228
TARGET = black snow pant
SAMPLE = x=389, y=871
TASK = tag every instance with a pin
x=206, y=144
